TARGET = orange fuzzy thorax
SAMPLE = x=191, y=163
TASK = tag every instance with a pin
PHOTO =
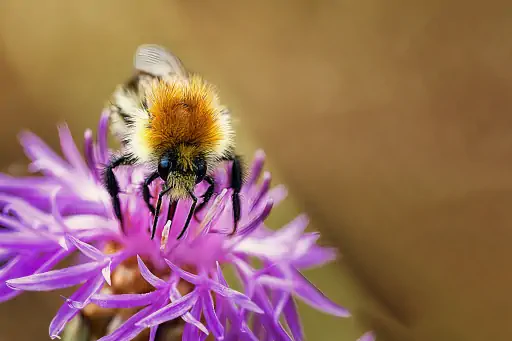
x=184, y=113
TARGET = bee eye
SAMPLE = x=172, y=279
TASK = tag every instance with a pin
x=200, y=169
x=164, y=167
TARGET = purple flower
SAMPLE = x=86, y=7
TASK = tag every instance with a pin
x=369, y=336
x=47, y=218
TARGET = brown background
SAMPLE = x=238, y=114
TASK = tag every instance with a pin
x=389, y=120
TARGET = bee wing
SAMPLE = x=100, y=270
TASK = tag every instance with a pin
x=157, y=61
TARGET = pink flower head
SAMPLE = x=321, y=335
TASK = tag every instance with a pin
x=47, y=218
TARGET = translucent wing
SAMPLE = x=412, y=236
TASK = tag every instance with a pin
x=156, y=60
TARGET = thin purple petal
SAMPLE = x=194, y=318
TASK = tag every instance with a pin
x=310, y=294
x=271, y=325
x=315, y=257
x=278, y=194
x=87, y=249
x=13, y=224
x=156, y=282
x=210, y=316
x=190, y=333
x=187, y=317
x=67, y=311
x=102, y=137
x=257, y=327
x=293, y=319
x=89, y=153
x=257, y=167
x=276, y=283
x=128, y=330
x=70, y=150
x=369, y=336
x=27, y=265
x=36, y=149
x=187, y=276
x=125, y=300
x=152, y=333
x=24, y=241
x=11, y=265
x=279, y=300
x=257, y=220
x=263, y=190
x=237, y=297
x=238, y=326
x=291, y=232
x=261, y=299
x=171, y=311
x=56, y=279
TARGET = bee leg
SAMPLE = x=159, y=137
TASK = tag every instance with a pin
x=190, y=213
x=145, y=191
x=157, y=211
x=236, y=184
x=112, y=185
x=207, y=195
x=173, y=204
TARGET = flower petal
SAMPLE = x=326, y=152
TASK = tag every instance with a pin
x=24, y=241
x=262, y=191
x=212, y=215
x=128, y=330
x=25, y=265
x=271, y=325
x=369, y=336
x=278, y=194
x=187, y=317
x=310, y=294
x=237, y=325
x=237, y=297
x=187, y=276
x=257, y=167
x=293, y=320
x=257, y=327
x=125, y=300
x=102, y=137
x=56, y=279
x=156, y=282
x=87, y=249
x=238, y=328
x=210, y=316
x=67, y=311
x=89, y=153
x=13, y=224
x=106, y=272
x=257, y=220
x=315, y=257
x=291, y=232
x=276, y=283
x=170, y=311
x=152, y=333
x=11, y=265
x=190, y=333
x=37, y=150
x=280, y=299
x=70, y=150
x=260, y=298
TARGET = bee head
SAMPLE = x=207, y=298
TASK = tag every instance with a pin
x=181, y=171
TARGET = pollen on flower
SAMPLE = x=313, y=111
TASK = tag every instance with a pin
x=127, y=279
x=135, y=288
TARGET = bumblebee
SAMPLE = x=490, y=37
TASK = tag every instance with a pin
x=172, y=122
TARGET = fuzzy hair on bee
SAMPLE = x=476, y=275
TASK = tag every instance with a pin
x=173, y=123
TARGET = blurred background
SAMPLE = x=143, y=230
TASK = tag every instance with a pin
x=389, y=121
